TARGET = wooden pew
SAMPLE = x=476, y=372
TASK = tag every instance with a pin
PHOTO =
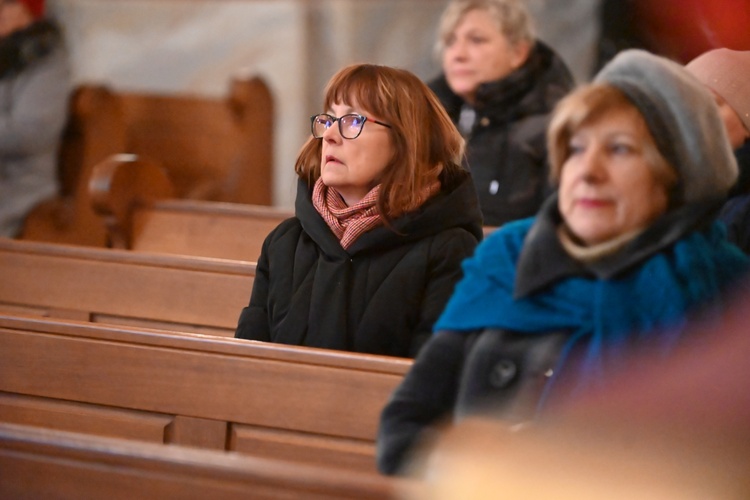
x=40, y=463
x=95, y=129
x=120, y=287
x=212, y=149
x=133, y=196
x=284, y=402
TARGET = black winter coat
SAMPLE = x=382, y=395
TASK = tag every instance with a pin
x=457, y=374
x=380, y=296
x=736, y=212
x=506, y=150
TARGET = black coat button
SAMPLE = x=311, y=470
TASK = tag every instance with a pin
x=503, y=373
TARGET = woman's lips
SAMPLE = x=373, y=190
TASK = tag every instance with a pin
x=461, y=73
x=593, y=202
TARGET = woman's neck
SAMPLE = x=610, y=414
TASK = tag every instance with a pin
x=589, y=253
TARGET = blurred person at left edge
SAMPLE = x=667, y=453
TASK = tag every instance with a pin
x=34, y=88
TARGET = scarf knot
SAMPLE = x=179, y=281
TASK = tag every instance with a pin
x=348, y=223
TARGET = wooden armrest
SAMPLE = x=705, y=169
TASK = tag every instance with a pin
x=120, y=184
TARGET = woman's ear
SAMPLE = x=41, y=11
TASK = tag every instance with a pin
x=520, y=53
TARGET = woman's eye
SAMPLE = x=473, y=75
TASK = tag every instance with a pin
x=621, y=149
x=575, y=149
x=477, y=39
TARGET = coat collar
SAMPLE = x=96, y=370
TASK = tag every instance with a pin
x=455, y=206
x=533, y=88
x=26, y=46
x=543, y=260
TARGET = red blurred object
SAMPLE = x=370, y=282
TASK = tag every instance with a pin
x=684, y=29
x=36, y=7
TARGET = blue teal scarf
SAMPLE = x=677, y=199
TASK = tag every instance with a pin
x=603, y=316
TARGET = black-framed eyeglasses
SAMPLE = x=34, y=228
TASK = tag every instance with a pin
x=350, y=126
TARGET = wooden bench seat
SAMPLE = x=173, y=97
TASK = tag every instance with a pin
x=133, y=197
x=115, y=286
x=269, y=400
x=40, y=463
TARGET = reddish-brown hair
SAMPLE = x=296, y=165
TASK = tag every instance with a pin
x=425, y=140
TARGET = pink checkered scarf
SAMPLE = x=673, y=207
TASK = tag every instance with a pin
x=347, y=223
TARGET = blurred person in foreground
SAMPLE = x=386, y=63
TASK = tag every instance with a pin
x=659, y=429
x=34, y=88
x=726, y=73
x=384, y=216
x=627, y=252
x=499, y=84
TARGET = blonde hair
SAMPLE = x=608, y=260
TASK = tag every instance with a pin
x=425, y=140
x=586, y=105
x=511, y=17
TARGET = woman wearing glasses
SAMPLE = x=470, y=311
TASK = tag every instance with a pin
x=383, y=218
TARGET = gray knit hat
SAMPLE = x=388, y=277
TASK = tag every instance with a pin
x=726, y=72
x=683, y=118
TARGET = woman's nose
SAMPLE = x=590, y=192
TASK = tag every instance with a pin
x=332, y=133
x=592, y=164
x=457, y=50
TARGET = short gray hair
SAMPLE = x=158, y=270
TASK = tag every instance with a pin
x=511, y=17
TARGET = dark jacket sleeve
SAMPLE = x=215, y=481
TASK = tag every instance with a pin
x=735, y=214
x=254, y=323
x=425, y=398
x=444, y=272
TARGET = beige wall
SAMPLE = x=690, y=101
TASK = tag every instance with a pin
x=195, y=46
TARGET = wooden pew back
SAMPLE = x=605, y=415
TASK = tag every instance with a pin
x=132, y=194
x=40, y=463
x=95, y=129
x=213, y=149
x=216, y=149
x=113, y=286
x=284, y=402
x=204, y=228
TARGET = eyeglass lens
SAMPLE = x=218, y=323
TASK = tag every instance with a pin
x=350, y=125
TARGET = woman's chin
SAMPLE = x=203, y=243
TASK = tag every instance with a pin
x=590, y=236
x=465, y=91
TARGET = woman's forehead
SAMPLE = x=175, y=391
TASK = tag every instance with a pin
x=343, y=95
x=343, y=107
x=348, y=101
